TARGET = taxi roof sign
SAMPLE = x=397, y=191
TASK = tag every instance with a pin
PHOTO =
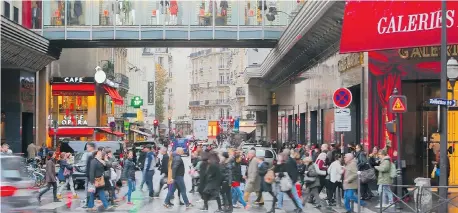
x=398, y=104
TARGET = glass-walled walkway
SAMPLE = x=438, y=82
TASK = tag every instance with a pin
x=160, y=19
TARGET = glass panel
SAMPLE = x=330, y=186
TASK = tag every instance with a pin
x=76, y=12
x=149, y=13
x=125, y=12
x=251, y=13
x=54, y=13
x=37, y=8
x=202, y=12
x=226, y=13
x=279, y=13
x=102, y=12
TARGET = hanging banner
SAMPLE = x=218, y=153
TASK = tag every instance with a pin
x=379, y=25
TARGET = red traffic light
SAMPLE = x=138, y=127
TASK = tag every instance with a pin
x=155, y=122
x=170, y=118
x=232, y=120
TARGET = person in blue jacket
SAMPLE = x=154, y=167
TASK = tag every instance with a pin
x=148, y=169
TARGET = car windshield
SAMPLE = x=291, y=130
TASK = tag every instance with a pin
x=78, y=156
x=13, y=169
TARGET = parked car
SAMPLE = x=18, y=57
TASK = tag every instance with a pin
x=16, y=187
x=270, y=155
x=77, y=148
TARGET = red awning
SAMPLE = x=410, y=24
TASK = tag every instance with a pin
x=72, y=132
x=380, y=25
x=113, y=93
x=108, y=130
x=73, y=89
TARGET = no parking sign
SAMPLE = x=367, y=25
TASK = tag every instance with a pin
x=342, y=97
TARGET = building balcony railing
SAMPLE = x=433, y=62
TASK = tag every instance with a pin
x=194, y=103
x=224, y=83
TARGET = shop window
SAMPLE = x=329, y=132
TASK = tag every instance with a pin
x=73, y=110
x=16, y=14
x=75, y=12
x=6, y=9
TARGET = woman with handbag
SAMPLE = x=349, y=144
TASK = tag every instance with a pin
x=97, y=180
x=367, y=172
x=312, y=182
x=284, y=182
x=65, y=174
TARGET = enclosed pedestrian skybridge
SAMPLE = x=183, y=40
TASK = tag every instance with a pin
x=160, y=23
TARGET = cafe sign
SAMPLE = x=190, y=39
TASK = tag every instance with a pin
x=73, y=80
x=136, y=102
x=75, y=120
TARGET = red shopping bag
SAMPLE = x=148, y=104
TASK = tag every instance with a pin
x=299, y=189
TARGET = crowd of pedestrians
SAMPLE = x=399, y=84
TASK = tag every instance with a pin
x=301, y=173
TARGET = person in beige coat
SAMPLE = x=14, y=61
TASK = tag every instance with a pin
x=350, y=182
x=253, y=180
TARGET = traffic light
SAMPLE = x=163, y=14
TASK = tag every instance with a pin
x=155, y=123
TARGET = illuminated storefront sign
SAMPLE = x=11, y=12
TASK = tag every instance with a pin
x=76, y=120
x=73, y=80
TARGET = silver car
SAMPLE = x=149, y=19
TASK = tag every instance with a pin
x=16, y=186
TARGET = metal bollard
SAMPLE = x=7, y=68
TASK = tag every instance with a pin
x=381, y=199
x=359, y=191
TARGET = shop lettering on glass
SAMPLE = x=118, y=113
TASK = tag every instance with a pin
x=349, y=61
x=427, y=52
x=74, y=120
x=415, y=22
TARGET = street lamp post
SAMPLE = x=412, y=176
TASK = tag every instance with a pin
x=452, y=74
x=443, y=111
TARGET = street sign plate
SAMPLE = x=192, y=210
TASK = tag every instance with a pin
x=342, y=97
x=397, y=104
x=442, y=102
x=342, y=120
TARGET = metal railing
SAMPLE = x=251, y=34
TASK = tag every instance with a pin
x=425, y=199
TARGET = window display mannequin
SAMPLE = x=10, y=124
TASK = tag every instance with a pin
x=224, y=5
x=173, y=12
x=36, y=14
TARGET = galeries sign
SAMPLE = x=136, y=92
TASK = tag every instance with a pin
x=379, y=25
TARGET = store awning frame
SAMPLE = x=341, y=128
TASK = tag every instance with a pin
x=73, y=89
x=108, y=130
x=113, y=93
x=81, y=131
x=72, y=132
x=141, y=133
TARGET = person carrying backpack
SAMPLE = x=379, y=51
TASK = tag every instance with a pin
x=385, y=178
